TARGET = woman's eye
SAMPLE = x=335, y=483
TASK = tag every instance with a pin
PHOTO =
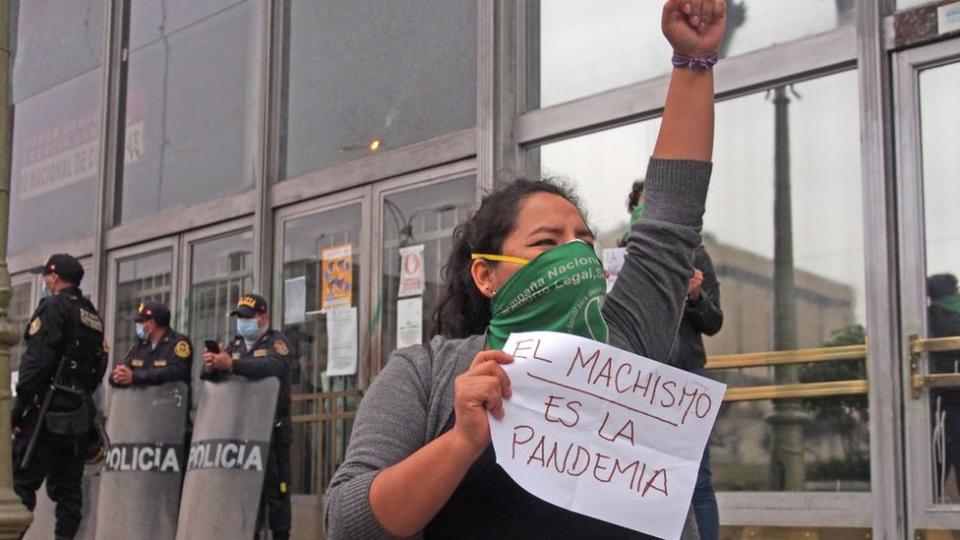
x=545, y=242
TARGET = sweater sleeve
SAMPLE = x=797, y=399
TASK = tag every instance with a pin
x=391, y=424
x=644, y=308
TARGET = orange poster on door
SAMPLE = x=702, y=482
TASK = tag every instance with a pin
x=337, y=278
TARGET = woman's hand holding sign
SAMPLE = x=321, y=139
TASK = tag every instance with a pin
x=482, y=388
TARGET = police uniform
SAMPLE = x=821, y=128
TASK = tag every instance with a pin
x=65, y=326
x=269, y=356
x=167, y=361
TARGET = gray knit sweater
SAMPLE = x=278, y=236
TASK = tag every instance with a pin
x=410, y=402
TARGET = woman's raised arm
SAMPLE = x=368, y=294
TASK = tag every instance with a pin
x=695, y=29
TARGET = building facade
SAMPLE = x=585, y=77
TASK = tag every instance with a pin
x=321, y=152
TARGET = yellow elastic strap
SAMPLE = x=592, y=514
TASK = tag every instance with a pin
x=498, y=258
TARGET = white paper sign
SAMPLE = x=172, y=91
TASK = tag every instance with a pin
x=411, y=271
x=948, y=18
x=604, y=432
x=342, y=341
x=294, y=300
x=409, y=321
x=612, y=263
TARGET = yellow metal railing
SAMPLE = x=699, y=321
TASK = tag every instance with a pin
x=920, y=380
x=330, y=414
x=784, y=358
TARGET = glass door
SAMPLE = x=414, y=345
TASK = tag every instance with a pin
x=321, y=304
x=217, y=267
x=22, y=304
x=415, y=238
x=137, y=275
x=928, y=110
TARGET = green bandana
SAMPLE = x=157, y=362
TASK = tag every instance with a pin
x=562, y=290
x=635, y=216
x=950, y=303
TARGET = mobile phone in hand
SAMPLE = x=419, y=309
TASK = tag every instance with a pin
x=212, y=346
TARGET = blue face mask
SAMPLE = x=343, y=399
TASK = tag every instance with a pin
x=140, y=332
x=248, y=328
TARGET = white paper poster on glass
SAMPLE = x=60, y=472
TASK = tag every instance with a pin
x=342, y=341
x=409, y=321
x=411, y=271
x=604, y=432
x=294, y=300
x=612, y=263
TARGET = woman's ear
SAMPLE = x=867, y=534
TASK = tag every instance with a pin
x=483, y=277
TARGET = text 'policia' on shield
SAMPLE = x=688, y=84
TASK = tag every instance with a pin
x=227, y=454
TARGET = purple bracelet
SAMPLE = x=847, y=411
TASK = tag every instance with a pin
x=700, y=63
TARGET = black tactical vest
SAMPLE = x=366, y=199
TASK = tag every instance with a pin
x=86, y=361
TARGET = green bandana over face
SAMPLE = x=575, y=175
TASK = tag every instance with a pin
x=950, y=303
x=635, y=216
x=561, y=290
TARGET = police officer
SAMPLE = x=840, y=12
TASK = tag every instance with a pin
x=64, y=347
x=160, y=355
x=256, y=352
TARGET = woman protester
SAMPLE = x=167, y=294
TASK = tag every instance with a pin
x=420, y=459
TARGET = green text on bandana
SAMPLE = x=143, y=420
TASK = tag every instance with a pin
x=561, y=290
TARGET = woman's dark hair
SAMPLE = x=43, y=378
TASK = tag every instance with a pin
x=462, y=310
x=635, y=192
x=632, y=201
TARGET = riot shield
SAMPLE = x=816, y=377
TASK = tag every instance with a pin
x=227, y=458
x=140, y=483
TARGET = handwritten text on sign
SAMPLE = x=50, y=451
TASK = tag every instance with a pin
x=604, y=432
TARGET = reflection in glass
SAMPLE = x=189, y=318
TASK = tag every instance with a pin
x=187, y=105
x=767, y=143
x=21, y=307
x=56, y=124
x=221, y=270
x=56, y=40
x=580, y=48
x=939, y=116
x=318, y=446
x=140, y=279
x=365, y=76
x=423, y=217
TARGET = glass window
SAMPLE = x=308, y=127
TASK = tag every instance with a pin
x=21, y=307
x=221, y=269
x=823, y=273
x=54, y=40
x=187, y=104
x=140, y=279
x=417, y=238
x=580, y=48
x=309, y=243
x=56, y=124
x=939, y=116
x=366, y=75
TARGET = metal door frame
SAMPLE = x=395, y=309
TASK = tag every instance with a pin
x=185, y=259
x=381, y=190
x=922, y=513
